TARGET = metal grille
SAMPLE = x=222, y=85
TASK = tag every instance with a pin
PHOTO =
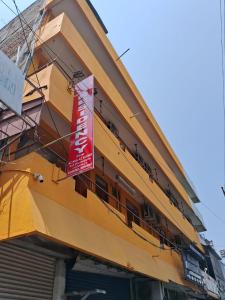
x=25, y=274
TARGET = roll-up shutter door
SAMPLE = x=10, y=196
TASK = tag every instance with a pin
x=25, y=274
x=116, y=288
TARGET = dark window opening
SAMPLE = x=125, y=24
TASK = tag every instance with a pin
x=116, y=194
x=113, y=128
x=2, y=144
x=82, y=184
x=101, y=188
x=132, y=214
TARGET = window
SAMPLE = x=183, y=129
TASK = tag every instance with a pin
x=116, y=194
x=101, y=188
x=81, y=186
x=132, y=214
x=2, y=144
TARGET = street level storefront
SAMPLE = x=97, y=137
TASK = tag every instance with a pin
x=36, y=268
x=80, y=217
x=100, y=280
x=25, y=274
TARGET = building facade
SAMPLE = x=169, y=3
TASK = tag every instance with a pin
x=129, y=228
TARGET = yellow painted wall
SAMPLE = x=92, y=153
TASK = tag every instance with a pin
x=56, y=92
x=60, y=213
x=62, y=26
x=109, y=48
x=15, y=212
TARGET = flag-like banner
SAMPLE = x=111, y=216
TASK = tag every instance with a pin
x=81, y=151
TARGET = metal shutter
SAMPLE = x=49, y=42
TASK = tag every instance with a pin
x=25, y=274
x=116, y=288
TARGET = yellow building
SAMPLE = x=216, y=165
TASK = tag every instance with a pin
x=129, y=228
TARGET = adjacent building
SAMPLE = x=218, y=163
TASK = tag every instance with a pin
x=129, y=228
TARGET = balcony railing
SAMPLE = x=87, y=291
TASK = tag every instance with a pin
x=152, y=175
x=85, y=183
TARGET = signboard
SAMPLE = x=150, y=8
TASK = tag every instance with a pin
x=210, y=285
x=81, y=151
x=222, y=253
x=11, y=84
x=192, y=269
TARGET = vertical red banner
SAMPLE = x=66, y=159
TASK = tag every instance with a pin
x=81, y=151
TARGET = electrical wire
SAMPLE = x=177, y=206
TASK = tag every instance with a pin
x=26, y=116
x=134, y=215
x=134, y=169
x=222, y=31
x=223, y=86
x=19, y=14
x=146, y=184
x=59, y=58
x=172, y=217
x=39, y=38
x=213, y=213
x=21, y=24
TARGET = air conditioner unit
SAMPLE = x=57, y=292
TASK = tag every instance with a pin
x=149, y=214
x=113, y=128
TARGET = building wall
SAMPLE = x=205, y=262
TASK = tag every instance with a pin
x=53, y=208
x=111, y=150
x=56, y=211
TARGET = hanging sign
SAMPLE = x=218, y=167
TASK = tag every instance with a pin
x=11, y=84
x=81, y=151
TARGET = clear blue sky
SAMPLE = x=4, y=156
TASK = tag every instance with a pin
x=175, y=60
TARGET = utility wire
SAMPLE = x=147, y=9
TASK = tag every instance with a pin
x=222, y=31
x=134, y=169
x=213, y=213
x=111, y=210
x=133, y=214
x=223, y=86
x=112, y=139
x=45, y=46
x=19, y=14
x=38, y=37
x=24, y=33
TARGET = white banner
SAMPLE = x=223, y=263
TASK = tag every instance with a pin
x=11, y=84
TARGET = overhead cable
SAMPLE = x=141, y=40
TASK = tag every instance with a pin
x=172, y=217
x=222, y=32
x=19, y=14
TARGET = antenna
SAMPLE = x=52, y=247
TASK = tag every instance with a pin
x=119, y=57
